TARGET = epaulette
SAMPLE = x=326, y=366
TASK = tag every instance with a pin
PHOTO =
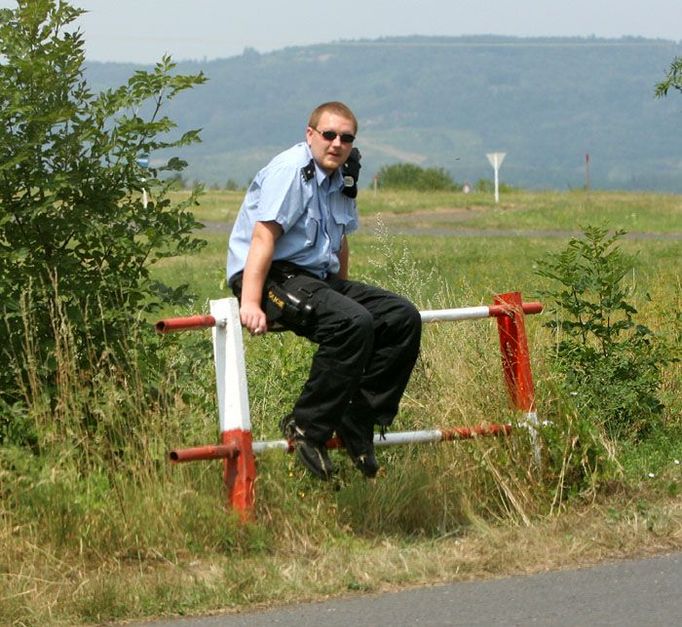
x=308, y=171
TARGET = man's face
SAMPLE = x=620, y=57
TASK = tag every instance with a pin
x=330, y=155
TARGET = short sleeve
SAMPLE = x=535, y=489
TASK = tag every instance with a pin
x=283, y=197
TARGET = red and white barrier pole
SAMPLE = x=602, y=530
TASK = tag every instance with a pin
x=237, y=448
x=183, y=324
x=473, y=313
x=516, y=361
x=233, y=405
x=389, y=439
x=403, y=437
x=499, y=309
x=233, y=402
x=210, y=451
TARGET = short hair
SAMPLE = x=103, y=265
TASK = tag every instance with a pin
x=335, y=107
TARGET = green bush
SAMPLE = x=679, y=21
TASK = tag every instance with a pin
x=410, y=176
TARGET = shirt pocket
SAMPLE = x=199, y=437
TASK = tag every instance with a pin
x=338, y=227
x=313, y=222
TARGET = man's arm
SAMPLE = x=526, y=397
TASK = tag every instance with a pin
x=344, y=255
x=258, y=261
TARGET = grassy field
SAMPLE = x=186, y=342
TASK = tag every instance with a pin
x=126, y=535
x=516, y=210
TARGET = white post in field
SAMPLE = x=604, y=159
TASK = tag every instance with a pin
x=496, y=159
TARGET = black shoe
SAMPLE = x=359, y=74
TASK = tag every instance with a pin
x=313, y=455
x=361, y=453
x=315, y=458
x=367, y=464
x=287, y=425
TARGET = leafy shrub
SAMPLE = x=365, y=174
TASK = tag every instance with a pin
x=410, y=176
x=609, y=364
x=77, y=234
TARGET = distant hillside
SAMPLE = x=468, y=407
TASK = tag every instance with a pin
x=446, y=102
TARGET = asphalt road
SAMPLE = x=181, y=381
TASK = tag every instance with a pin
x=644, y=592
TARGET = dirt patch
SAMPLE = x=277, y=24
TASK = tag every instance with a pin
x=441, y=214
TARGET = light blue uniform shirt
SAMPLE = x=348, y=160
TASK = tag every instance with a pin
x=314, y=214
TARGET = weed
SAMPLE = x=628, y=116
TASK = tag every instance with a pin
x=611, y=365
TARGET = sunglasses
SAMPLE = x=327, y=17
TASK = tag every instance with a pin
x=330, y=136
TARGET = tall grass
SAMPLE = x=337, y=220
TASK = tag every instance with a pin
x=96, y=525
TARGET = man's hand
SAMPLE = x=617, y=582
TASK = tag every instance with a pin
x=253, y=318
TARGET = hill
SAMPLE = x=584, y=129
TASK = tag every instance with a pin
x=446, y=102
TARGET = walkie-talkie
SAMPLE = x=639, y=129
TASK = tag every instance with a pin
x=351, y=173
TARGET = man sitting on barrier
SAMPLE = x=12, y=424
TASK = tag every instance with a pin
x=288, y=265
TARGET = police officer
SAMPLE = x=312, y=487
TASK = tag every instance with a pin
x=288, y=250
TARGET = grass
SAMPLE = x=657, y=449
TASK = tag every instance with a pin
x=629, y=211
x=96, y=526
x=216, y=206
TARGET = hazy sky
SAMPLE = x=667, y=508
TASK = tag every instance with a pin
x=143, y=30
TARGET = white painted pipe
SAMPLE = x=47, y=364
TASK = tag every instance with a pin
x=461, y=313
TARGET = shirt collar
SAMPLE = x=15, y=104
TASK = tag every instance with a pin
x=336, y=180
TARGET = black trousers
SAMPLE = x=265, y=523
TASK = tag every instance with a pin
x=368, y=341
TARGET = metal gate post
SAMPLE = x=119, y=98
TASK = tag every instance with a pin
x=233, y=405
x=516, y=360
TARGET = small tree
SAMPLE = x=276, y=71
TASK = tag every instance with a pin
x=611, y=365
x=76, y=238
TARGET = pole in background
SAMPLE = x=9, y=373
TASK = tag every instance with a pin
x=496, y=159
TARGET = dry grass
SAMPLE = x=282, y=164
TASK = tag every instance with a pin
x=47, y=590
